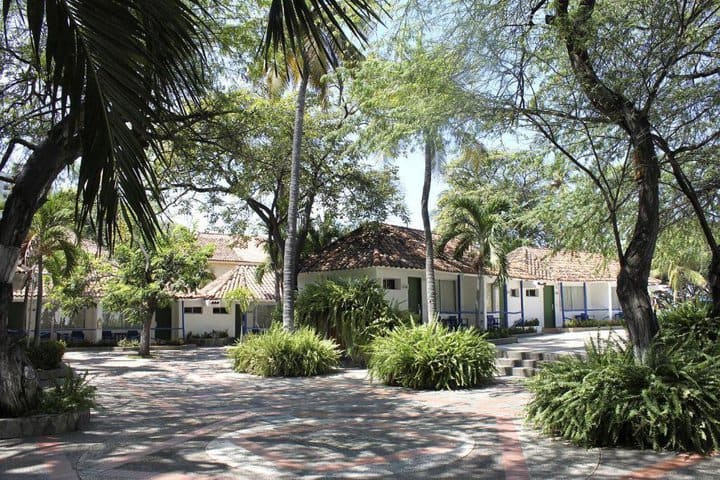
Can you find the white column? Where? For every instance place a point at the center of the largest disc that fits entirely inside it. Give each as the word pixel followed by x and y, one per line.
pixel 610 305
pixel 98 322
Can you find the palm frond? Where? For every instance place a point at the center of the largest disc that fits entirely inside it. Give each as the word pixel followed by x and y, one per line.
pixel 113 69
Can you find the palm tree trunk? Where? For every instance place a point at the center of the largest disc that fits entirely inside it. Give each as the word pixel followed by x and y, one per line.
pixel 291 239
pixel 18 392
pixel 38 304
pixel 429 253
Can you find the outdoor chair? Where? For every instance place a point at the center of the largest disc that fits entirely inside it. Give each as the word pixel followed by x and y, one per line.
pixel 107 335
pixel 77 336
pixel 492 323
pixel 582 317
pixel 133 335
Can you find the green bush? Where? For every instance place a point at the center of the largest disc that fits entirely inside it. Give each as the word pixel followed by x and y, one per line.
pixel 671 402
pixel 690 320
pixel 128 343
pixel 47 355
pixel 75 393
pixel 432 357
pixel 277 353
pixel 507 332
pixel 591 322
pixel 352 311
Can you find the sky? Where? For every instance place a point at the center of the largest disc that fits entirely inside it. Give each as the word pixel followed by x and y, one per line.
pixel 411 170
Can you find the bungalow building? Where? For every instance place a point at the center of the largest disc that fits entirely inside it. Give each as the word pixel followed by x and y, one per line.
pixel 550 286
pixel 233 264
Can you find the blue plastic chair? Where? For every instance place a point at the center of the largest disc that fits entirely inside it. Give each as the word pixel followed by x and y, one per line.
pixel 133 335
pixel 77 336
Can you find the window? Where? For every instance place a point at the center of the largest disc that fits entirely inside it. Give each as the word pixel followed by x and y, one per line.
pixel 220 310
pixel 531 292
pixel 194 310
pixel 514 292
pixel 573 298
pixel 391 284
pixel 448 296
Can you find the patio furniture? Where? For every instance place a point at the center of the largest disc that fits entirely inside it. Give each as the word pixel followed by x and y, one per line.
pixel 77 336
pixel 133 335
pixel 107 335
pixel 492 323
pixel 582 317
pixel 619 316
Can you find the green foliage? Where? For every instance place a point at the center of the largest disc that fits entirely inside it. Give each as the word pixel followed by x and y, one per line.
pixel 507 332
pixel 241 296
pixel 75 393
pixel 591 322
pixel 353 311
pixel 128 343
pixel 279 353
pixel 147 278
pixel 671 402
pixel 432 357
pixel 47 355
pixel 690 320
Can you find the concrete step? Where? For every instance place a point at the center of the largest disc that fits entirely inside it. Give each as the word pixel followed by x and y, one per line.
pixel 523 372
pixel 507 362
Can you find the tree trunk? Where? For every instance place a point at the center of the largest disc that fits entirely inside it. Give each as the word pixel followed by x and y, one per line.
pixel 18 381
pixel 635 262
pixel 144 349
pixel 32 184
pixel 429 252
pixel 714 282
pixel 291 239
pixel 38 304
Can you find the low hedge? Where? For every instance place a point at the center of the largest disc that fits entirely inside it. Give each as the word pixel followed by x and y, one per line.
pixel 431 357
pixel 48 355
pixel 278 353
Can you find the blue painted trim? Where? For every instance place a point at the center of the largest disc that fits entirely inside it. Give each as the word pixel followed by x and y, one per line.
pixel 522 304
pixel 459 299
pixel 182 317
pixel 562 304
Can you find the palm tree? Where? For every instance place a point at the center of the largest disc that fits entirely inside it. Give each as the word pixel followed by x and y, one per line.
pixel 110 73
pixel 51 236
pixel 477 229
pixel 313 43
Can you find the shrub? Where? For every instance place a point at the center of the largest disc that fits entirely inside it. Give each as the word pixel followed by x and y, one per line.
pixel 608 399
pixel 690 320
pixel 75 393
pixel 47 355
pixel 352 311
pixel 128 343
pixel 278 353
pixel 432 357
pixel 591 322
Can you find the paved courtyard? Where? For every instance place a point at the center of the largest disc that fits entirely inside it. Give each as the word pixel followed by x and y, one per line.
pixel 186 415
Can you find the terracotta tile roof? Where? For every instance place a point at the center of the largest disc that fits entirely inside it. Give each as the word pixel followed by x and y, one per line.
pixel 382 245
pixel 240 276
pixel 236 249
pixel 545 264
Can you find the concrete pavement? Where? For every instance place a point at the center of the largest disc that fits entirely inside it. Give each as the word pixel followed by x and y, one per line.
pixel 186 415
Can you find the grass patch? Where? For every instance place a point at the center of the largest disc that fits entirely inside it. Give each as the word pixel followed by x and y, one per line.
pixel 431 357
pixel 277 353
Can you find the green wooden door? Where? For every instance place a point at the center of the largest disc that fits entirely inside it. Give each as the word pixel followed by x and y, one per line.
pixel 163 323
pixel 549 303
pixel 415 295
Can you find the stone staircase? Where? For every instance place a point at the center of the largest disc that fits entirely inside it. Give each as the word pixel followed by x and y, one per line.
pixel 514 363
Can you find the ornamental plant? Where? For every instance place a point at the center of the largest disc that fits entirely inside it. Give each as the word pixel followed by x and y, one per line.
pixel 431 357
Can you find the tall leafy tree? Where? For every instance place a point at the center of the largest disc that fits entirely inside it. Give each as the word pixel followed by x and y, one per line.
pixel 148 277
pixel 603 83
pixel 91 80
pixel 412 102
